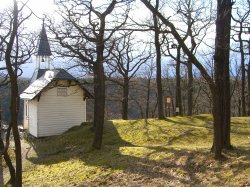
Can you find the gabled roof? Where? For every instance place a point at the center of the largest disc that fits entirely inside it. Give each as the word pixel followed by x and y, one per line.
pixel 37 74
pixel 44 80
pixel 43 46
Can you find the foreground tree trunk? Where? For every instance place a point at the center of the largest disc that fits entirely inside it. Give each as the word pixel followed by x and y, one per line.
pixel 14 96
pixel 125 98
pixel 221 94
pixel 99 105
pixel 248 80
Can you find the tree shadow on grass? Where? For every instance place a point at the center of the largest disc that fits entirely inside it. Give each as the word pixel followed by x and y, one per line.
pixel 192 122
pixel 135 164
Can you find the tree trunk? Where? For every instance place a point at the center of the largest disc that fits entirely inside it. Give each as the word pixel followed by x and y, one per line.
pixel 1 148
pixel 9 165
pixel 1 170
pixel 14 113
pixel 243 76
pixel 217 117
pixel 239 107
pixel 99 104
pixel 190 89
pixel 14 97
pixel 125 99
pixel 148 95
pixel 178 98
pixel 158 65
pixel 99 88
pixel 7 160
pixel 221 93
pixel 248 80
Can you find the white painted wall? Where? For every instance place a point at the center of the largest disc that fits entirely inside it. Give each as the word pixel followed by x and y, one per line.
pixel 33 104
pixel 56 114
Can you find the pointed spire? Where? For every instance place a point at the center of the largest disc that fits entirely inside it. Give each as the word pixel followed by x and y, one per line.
pixel 43 47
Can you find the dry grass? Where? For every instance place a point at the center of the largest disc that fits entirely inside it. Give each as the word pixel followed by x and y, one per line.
pixel 150 152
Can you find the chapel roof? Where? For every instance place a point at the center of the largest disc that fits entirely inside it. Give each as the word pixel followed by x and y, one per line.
pixel 43 78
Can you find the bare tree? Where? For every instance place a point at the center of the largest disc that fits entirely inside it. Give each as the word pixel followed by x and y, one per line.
pixel 84 33
pixel 15 52
pixel 221 101
pixel 126 61
pixel 241 18
pixel 149 71
pixel 198 17
pixel 158 62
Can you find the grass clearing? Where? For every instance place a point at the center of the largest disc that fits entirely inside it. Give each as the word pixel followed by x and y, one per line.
pixel 171 152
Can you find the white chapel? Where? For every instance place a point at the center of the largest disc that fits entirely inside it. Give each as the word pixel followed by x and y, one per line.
pixel 55 100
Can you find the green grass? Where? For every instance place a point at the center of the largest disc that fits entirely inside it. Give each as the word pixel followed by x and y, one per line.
pixel 172 152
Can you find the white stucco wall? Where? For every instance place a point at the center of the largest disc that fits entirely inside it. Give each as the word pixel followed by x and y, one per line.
pixel 56 114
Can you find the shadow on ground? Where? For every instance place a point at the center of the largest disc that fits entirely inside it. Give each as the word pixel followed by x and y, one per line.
pixel 137 164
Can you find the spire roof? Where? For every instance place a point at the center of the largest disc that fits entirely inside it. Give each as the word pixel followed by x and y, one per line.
pixel 43 46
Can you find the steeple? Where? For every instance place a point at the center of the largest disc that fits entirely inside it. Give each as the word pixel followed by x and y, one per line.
pixel 43 51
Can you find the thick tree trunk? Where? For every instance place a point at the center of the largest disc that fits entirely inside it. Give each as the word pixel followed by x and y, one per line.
pixel 99 104
pixel 1 148
pixel 217 117
pixel 14 113
pixel 125 99
pixel 248 80
pixel 99 88
pixel 14 97
pixel 190 89
pixel 221 94
pixel 158 65
pixel 178 98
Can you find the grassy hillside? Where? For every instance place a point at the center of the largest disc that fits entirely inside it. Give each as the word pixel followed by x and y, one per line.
pixel 150 152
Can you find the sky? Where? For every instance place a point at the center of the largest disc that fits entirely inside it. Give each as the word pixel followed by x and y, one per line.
pixel 39 7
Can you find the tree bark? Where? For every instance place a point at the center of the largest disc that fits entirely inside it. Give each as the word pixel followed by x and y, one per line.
pixel 217 125
pixel 99 88
pixel 190 89
pixel 125 98
pixel 243 75
pixel 158 65
pixel 9 164
pixel 99 104
pixel 221 93
pixel 178 98
pixel 148 96
pixel 248 79
pixel 7 160
pixel 14 97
